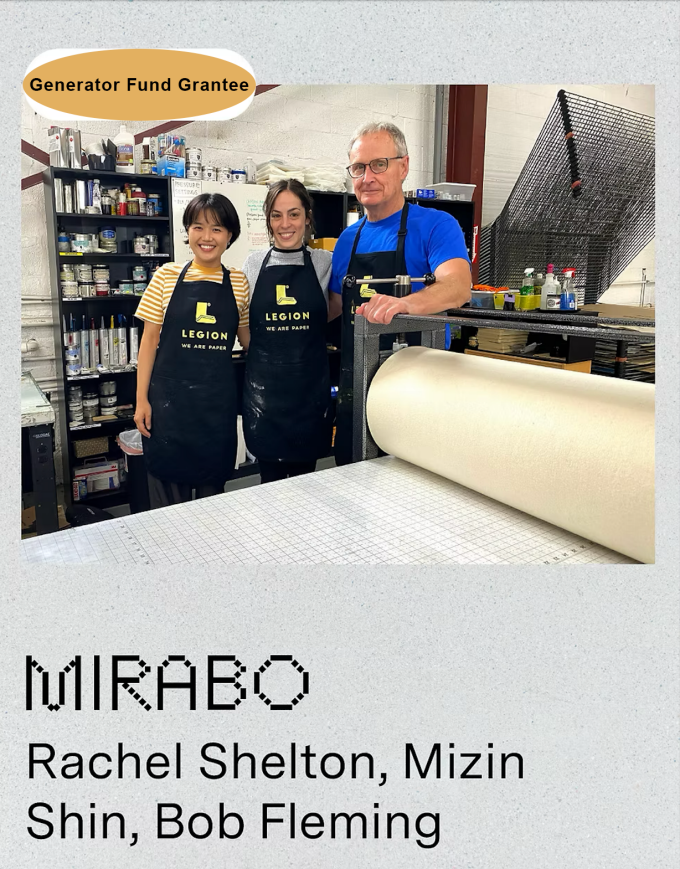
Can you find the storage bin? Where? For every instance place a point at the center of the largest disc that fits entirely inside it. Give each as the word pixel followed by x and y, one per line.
pixel 90 447
pixel 481 299
pixel 449 190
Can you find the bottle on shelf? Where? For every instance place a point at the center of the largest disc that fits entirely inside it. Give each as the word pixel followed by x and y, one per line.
pixel 550 288
pixel 568 295
pixel 538 286
pixel 125 151
pixel 526 294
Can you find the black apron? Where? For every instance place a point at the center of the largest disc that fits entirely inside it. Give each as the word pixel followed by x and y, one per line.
pixel 287 391
pixel 193 388
pixel 377 264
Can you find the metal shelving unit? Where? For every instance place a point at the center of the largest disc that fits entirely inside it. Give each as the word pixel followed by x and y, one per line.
pixel 120 265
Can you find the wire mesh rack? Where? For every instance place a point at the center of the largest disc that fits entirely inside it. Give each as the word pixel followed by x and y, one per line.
pixel 584 199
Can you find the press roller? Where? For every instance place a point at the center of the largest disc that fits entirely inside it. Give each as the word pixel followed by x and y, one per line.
pixel 572 449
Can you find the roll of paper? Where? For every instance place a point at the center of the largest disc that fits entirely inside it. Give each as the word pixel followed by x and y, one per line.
pixel 573 449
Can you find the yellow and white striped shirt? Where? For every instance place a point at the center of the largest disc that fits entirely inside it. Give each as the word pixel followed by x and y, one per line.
pixel 157 295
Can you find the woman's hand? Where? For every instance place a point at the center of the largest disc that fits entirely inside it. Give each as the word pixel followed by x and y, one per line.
pixel 143 418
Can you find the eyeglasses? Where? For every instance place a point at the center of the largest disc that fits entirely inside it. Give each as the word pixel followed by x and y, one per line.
pixel 378 166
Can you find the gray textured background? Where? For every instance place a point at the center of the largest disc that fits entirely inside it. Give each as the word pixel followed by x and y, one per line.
pixel 575 667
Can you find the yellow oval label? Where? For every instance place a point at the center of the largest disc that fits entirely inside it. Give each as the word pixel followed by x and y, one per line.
pixel 142 84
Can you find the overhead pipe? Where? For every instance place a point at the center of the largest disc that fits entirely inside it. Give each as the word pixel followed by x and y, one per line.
pixel 438 156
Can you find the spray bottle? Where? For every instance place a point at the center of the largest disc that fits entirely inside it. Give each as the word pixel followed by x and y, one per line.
pixel 549 288
pixel 568 296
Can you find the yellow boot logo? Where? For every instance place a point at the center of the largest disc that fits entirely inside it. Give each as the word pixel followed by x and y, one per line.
pixel 365 290
pixel 282 298
pixel 202 315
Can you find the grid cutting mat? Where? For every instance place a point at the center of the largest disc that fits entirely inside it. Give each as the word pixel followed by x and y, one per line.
pixel 384 511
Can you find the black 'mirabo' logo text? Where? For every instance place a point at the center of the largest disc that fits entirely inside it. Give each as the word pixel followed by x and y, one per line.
pixel 280 683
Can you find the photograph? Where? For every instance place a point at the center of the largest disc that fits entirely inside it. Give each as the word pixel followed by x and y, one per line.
pixel 358 324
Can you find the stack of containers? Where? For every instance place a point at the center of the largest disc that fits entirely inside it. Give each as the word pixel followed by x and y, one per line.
pixel 139 280
pixel 108 398
pixel 100 275
pixel 194 163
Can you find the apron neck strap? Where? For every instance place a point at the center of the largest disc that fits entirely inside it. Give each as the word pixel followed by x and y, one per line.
pixel 401 239
pixel 182 274
pixel 304 250
pixel 401 235
pixel 356 237
pixel 186 268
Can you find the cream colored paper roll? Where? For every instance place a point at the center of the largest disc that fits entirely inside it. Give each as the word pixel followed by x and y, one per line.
pixel 574 449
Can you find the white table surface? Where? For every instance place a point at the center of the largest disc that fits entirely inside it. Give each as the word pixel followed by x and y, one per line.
pixel 35 408
pixel 383 511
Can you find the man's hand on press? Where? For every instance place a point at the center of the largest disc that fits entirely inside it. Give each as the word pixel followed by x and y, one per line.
pixel 381 309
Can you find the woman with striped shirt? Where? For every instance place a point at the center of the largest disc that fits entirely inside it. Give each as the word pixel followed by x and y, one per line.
pixel 186 387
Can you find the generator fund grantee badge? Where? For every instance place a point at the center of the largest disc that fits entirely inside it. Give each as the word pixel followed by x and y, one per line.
pixel 141 84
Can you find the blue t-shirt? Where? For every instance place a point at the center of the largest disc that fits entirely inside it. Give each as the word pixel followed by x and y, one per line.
pixel 432 238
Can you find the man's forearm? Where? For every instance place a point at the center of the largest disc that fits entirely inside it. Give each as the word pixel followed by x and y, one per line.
pixel 450 292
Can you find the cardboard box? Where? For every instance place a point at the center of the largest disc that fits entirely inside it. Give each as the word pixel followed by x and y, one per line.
pixel 28 521
pixel 95 477
pixel 323 243
pixel 170 165
pixel 621 311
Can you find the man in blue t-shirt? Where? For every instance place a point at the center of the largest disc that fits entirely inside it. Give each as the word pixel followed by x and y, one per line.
pixel 434 241
pixel 394 238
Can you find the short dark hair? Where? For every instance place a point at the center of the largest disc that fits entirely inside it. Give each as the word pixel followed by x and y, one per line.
pixel 220 207
pixel 299 189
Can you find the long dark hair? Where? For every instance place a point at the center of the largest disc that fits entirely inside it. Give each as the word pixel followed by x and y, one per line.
pixel 302 194
pixel 220 207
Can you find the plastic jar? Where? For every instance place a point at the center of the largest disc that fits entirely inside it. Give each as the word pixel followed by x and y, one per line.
pixel 107 239
pixel 141 244
pixel 86 289
pixel 83 272
pixel 90 406
pixel 107 387
pixel 80 243
pixel 69 288
pixel 100 273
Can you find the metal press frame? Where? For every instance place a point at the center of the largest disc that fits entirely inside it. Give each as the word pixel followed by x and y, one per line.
pixel 368 356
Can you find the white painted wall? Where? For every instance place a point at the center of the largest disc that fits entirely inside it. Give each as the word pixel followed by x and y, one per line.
pixel 515 116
